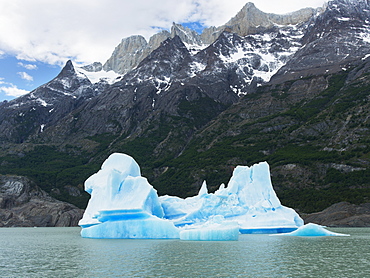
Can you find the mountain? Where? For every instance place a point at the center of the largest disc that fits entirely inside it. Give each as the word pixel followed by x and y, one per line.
pixel 337 38
pixel 289 89
pixel 132 50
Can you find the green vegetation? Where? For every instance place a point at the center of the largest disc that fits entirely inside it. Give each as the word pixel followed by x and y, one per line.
pixel 51 169
pixel 310 200
pixel 176 153
pixel 276 146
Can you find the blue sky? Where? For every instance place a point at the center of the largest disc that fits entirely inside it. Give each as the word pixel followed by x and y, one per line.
pixel 37 37
pixel 20 76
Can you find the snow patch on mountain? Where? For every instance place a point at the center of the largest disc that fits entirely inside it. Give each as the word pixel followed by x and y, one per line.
pixel 260 56
pixel 365 37
pixel 43 102
pixel 161 85
pixel 109 77
pixel 195 48
pixel 196 67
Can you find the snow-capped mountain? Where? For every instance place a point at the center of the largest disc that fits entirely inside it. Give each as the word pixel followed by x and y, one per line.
pixel 46 105
pixel 158 75
pixel 158 98
pixel 337 38
pixel 250 20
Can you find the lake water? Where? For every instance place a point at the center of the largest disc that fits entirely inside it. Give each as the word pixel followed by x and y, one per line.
pixel 61 252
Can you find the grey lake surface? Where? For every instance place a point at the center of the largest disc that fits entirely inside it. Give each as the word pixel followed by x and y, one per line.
pixel 61 252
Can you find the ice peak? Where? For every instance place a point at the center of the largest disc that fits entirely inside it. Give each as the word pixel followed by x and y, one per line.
pixel 203 190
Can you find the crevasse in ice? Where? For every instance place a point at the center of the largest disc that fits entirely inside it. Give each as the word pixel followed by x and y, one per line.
pixel 124 205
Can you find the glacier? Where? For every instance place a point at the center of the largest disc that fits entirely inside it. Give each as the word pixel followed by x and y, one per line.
pixel 124 205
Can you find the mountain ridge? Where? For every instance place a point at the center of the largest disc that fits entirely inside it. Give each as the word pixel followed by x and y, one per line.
pixel 280 94
pixel 132 50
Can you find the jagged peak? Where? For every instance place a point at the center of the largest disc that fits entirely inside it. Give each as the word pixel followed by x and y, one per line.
pixel 67 70
pixel 176 28
pixel 174 43
pixel 249 11
pixel 250 18
pixel 187 35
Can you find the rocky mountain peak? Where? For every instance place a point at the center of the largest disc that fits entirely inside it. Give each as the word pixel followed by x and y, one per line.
pixel 187 35
pixel 127 55
pixel 68 70
pixel 250 19
pixel 94 67
pixel 163 61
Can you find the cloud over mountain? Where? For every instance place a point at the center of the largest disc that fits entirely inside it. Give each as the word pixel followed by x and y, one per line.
pixel 87 31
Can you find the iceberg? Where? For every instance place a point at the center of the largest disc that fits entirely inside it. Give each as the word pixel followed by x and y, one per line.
pixel 249 199
pixel 215 229
pixel 312 229
pixel 124 205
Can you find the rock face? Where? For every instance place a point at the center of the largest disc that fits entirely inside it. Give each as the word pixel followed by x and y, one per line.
pixel 23 204
pixel 127 55
pixel 132 50
pixel 250 20
pixel 342 214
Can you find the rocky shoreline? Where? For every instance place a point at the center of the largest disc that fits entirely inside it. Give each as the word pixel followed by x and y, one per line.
pixel 23 204
pixel 342 214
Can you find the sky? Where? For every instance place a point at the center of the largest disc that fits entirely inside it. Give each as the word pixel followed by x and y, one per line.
pixel 37 37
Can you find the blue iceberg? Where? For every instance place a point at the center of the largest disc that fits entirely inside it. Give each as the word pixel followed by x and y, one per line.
pixel 215 229
pixel 249 199
pixel 124 205
pixel 312 229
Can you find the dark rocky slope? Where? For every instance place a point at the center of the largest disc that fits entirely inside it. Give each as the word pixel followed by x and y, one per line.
pixel 23 204
pixel 341 214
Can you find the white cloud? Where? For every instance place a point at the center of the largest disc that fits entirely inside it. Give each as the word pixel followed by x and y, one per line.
pixel 25 76
pixel 89 30
pixel 27 66
pixel 12 91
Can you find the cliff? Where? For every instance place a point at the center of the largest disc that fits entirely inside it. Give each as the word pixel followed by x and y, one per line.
pixel 23 204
